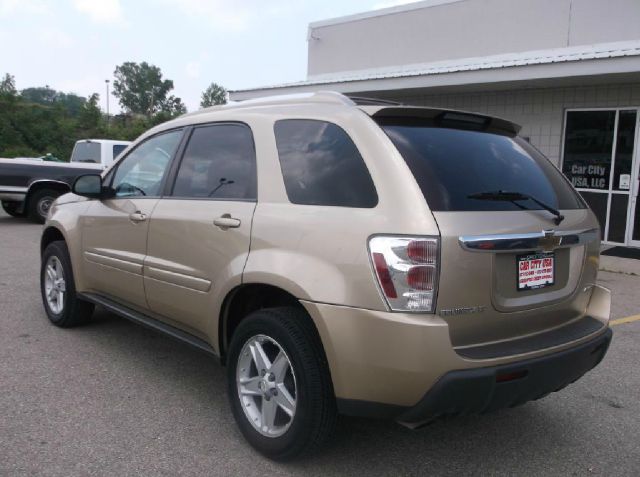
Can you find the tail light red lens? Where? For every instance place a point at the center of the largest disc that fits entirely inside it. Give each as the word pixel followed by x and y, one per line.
pixel 406 269
pixel 383 276
pixel 421 277
pixel 422 251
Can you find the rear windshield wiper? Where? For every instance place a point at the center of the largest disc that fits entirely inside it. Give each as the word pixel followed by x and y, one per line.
pixel 515 197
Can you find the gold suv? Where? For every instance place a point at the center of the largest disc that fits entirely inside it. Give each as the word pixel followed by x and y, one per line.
pixel 340 255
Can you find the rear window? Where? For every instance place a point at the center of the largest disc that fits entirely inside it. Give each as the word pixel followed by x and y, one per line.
pixel 451 164
pixel 86 152
pixel 322 166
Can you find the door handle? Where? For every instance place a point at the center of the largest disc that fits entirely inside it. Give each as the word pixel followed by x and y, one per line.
pixel 137 217
pixel 226 222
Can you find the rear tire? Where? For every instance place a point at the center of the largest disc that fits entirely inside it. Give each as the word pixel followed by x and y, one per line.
pixel 63 307
pixel 12 208
pixel 304 414
pixel 40 203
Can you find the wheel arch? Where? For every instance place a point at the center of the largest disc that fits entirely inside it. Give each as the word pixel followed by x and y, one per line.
pixel 39 184
pixel 42 184
pixel 50 234
pixel 245 299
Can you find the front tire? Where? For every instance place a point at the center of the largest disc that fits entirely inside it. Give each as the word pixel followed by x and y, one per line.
pixel 40 203
pixel 12 208
pixel 279 383
pixel 58 290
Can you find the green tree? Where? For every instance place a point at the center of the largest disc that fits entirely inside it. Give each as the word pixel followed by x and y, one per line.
pixel 90 114
pixel 140 89
pixel 40 95
pixel 41 120
pixel 72 103
pixel 8 86
pixel 213 95
pixel 173 106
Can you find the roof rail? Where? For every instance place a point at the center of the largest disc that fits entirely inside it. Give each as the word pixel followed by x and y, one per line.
pixel 314 97
pixel 363 101
pixel 327 97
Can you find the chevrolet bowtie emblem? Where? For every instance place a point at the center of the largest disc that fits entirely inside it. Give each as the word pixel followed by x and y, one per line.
pixel 550 241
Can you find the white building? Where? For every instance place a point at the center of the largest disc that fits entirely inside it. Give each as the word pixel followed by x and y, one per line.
pixel 568 71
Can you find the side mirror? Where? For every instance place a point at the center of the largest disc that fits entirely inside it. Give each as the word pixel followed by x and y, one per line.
pixel 89 185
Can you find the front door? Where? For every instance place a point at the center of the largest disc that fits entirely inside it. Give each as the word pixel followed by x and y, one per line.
pixel 600 159
pixel 199 234
pixel 115 230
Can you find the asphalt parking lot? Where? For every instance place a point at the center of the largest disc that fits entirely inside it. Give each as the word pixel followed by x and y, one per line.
pixel 112 398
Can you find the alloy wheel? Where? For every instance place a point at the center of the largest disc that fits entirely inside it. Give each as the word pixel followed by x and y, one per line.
pixel 266 385
pixel 54 285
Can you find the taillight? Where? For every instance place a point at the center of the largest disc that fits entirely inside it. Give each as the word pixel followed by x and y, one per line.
pixel 407 271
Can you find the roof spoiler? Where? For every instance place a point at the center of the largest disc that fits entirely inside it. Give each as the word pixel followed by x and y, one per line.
pixel 451 116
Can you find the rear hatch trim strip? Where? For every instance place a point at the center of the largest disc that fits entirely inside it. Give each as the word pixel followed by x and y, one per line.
pixel 545 240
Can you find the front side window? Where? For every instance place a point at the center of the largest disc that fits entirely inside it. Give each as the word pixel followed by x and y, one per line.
pixel 322 166
pixel 219 162
pixel 142 171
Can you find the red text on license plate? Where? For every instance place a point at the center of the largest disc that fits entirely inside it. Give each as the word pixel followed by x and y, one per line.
pixel 535 270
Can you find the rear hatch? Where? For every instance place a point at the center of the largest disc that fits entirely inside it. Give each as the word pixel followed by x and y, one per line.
pixel 519 247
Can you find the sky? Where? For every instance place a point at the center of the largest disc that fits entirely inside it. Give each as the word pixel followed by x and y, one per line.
pixel 75 45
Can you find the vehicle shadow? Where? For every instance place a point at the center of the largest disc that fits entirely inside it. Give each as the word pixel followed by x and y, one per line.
pixel 513 441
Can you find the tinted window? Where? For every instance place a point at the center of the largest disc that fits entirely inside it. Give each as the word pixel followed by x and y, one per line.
pixel 587 148
pixel 322 166
pixel 86 152
pixel 117 149
pixel 451 164
pixel 219 162
pixel 141 172
pixel 624 150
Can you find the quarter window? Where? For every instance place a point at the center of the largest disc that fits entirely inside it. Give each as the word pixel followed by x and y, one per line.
pixel 142 171
pixel 322 166
pixel 219 163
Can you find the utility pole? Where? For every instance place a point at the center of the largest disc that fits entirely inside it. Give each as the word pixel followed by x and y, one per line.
pixel 106 82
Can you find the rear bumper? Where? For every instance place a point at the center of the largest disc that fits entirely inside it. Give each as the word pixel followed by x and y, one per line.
pixel 383 363
pixel 480 390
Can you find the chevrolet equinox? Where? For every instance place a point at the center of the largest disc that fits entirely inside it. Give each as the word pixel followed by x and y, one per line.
pixel 340 255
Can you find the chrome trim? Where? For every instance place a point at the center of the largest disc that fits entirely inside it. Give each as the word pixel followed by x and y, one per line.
pixel 52 181
pixel 12 196
pixel 13 189
pixel 545 240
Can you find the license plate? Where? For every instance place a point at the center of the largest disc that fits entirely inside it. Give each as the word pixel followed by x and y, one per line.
pixel 536 270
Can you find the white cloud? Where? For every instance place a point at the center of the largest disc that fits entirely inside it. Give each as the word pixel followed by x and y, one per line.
pixel 101 11
pixel 221 15
pixel 53 37
pixel 8 7
pixel 231 16
pixel 193 69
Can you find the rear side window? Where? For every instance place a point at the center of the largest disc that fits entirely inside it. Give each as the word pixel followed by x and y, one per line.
pixel 117 149
pixel 219 162
pixel 322 166
pixel 451 165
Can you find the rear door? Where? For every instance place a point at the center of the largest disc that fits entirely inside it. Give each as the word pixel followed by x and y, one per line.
pixel 509 267
pixel 200 231
pixel 115 230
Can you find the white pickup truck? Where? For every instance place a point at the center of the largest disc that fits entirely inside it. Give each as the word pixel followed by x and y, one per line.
pixel 29 187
